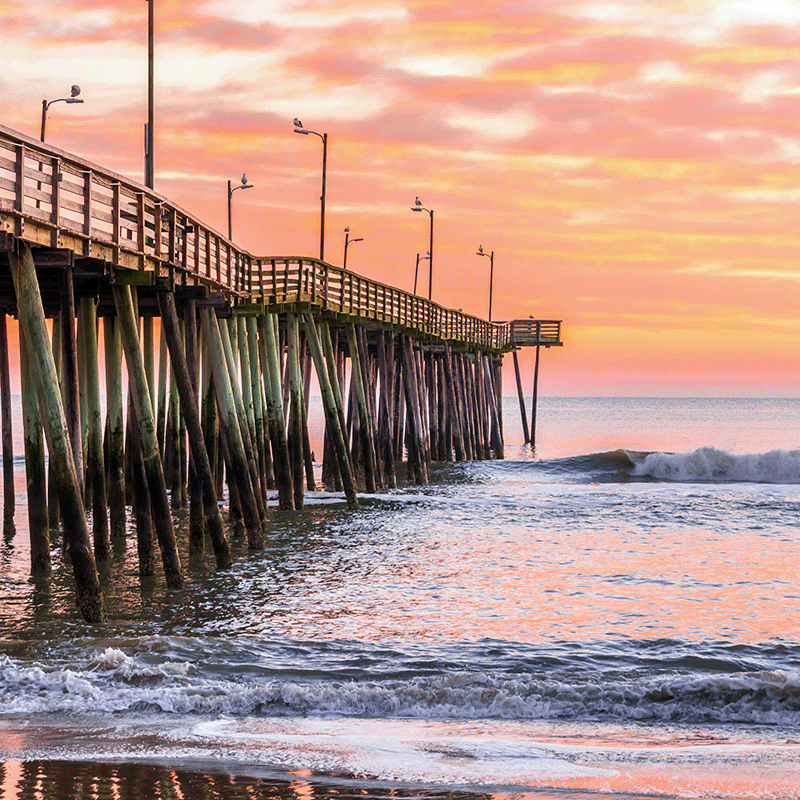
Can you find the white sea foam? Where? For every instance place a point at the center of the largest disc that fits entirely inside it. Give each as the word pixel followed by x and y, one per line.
pixel 125 684
pixel 711 464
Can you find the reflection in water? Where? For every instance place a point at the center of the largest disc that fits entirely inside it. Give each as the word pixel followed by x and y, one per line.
pixel 83 780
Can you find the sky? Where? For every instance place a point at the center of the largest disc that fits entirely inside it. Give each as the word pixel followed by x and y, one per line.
pixel 633 165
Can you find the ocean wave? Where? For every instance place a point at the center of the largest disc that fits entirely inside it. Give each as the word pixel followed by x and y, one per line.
pixel 115 683
pixel 707 464
pixel 719 466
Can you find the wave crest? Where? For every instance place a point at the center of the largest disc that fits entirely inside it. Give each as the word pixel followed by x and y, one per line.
pixel 711 464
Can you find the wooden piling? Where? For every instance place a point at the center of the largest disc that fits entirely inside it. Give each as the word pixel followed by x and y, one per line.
pixel 365 429
pixel 385 405
pixel 95 463
pixel 276 421
pixel 34 466
pixel 115 430
pixel 238 469
pixel 416 458
pixel 241 415
pixel 163 367
pixel 89 595
pixel 535 398
pixel 454 416
pixel 331 402
pixel 197 525
pixel 523 412
pixel 185 386
pixel 69 367
pixel 9 496
pixel 296 409
pixel 495 413
pixel 140 395
pixel 261 441
pixel 53 515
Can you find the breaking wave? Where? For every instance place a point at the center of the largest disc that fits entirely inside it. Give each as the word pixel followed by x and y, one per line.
pixel 114 682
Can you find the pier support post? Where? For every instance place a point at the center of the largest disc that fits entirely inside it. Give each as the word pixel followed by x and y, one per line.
pixel 9 496
pixel 416 458
pixel 197 525
pixel 523 412
pixel 331 401
pixel 140 395
pixel 535 398
pixel 53 515
pixel 296 409
pixel 115 430
pixel 202 466
pixel 34 466
pixel 385 405
pixel 276 421
pixel 69 366
pixel 241 416
pixel 95 466
pixel 364 426
pixel 238 469
pixel 76 532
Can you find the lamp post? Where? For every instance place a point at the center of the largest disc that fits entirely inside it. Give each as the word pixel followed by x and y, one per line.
pixel 298 128
pixel 419 207
pixel 149 168
pixel 244 185
pixel 73 98
pixel 491 274
pixel 348 241
pixel 416 269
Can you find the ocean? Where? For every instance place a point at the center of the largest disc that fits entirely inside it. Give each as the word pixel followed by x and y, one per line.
pixel 613 616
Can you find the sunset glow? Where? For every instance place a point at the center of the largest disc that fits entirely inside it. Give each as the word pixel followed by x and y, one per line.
pixel 634 165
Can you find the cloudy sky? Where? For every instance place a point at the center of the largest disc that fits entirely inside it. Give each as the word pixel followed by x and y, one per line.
pixel 634 165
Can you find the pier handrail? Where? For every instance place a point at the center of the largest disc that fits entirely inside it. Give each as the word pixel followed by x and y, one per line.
pixel 54 199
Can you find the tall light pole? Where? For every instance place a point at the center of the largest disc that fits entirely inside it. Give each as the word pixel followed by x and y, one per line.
pixel 244 185
pixel 73 98
pixel 491 275
pixel 149 169
pixel 298 128
pixel 419 207
pixel 416 269
pixel 348 241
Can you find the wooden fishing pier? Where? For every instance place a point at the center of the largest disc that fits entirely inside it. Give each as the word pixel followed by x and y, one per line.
pixel 401 378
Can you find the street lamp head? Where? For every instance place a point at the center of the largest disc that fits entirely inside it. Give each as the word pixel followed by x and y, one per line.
pixel 74 92
pixel 356 240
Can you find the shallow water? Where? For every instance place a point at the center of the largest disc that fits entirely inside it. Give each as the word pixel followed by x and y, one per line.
pixel 615 617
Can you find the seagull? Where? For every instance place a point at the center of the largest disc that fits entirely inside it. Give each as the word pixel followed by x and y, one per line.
pixel 480 249
pixel 244 179
pixel 347 229
pixel 297 123
pixel 418 202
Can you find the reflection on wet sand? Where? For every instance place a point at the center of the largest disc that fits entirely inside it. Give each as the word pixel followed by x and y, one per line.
pixel 85 780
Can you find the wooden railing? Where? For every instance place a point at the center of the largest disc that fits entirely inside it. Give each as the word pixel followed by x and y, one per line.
pixel 51 198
